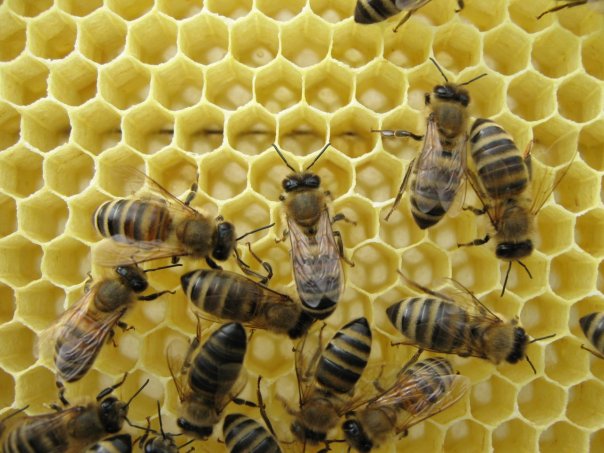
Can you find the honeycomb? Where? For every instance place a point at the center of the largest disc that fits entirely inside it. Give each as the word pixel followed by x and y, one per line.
pixel 176 87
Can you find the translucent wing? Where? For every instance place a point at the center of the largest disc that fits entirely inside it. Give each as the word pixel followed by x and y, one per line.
pixel 307 354
pixel 316 262
pixel 176 360
pixel 115 252
pixel 410 4
pixel 543 190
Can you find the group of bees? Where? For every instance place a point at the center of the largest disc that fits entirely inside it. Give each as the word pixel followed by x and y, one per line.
pixel 154 224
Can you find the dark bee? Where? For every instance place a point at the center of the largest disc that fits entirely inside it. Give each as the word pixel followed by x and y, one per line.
pixel 162 442
pixel 459 325
pixel 593 328
pixel 436 174
pixel 420 391
pixel 597 5
pixel 373 11
pixel 232 297
pixel 316 248
pixel 80 333
pixel 328 381
pixel 70 430
pixel 210 379
pixel 120 443
pixel 245 435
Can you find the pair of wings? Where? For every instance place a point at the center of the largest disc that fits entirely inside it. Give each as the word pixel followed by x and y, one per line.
pixel 439 172
pixel 316 262
pixel 121 250
pixel 96 326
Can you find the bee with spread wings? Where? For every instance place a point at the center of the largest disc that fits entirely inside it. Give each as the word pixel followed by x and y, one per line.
pixel 420 390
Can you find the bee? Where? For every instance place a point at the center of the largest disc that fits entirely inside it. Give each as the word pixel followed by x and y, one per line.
pixel 502 183
pixel 158 225
pixel 437 173
pixel 316 247
pixel 420 391
pixel 81 331
pixel 459 325
pixel 230 296
pixel 157 444
pixel 120 443
pixel 592 326
pixel 373 11
pixel 211 379
pixel 71 429
pixel 596 5
pixel 245 435
pixel 328 381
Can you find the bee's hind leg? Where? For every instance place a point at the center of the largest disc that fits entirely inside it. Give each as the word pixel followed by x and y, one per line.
pixel 338 237
pixel 479 241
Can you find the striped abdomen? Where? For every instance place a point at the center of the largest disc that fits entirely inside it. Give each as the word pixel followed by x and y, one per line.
pixel 244 435
pixel 499 164
pixel 593 328
pixel 430 380
pixel 345 357
pixel 372 11
pixel 121 443
pixel 218 363
pixel 133 220
pixel 432 323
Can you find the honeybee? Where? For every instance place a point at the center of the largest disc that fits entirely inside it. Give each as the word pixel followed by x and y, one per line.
pixel 421 390
pixel 70 430
pixel 597 5
pixel 373 11
pixel 459 325
pixel 157 225
pixel 437 173
pixel 245 435
pixel 230 296
pixel 592 326
pixel 502 182
pixel 328 381
pixel 157 444
pixel 208 381
pixel 316 247
pixel 120 443
pixel 81 331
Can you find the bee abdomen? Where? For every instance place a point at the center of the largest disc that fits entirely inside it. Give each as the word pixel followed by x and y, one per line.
pixel 121 443
pixel 219 361
pixel 70 359
pixel 372 11
pixel 134 220
pixel 26 438
pixel 593 328
pixel 426 219
pixel 244 435
pixel 345 357
pixel 431 323
pixel 432 378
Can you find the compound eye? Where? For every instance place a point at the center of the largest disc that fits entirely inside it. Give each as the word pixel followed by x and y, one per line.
pixel 464 99
pixel 289 184
pixel 312 181
pixel 440 90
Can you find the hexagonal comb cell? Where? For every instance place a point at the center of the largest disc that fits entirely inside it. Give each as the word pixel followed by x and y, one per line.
pixel 302 131
pixel 264 345
pixel 180 9
pixel 305 40
pixel 377 178
pixel 29 9
pixel 8 384
pixel 580 98
pixel 583 404
pixel 544 315
pixel 514 435
pixel 66 272
pixel 586 232
pixel 556 53
pixel 495 392
pixel 400 230
pixel 43 205
pixel 255 41
pixel 23 81
pixel 578 189
pixel 541 401
pixel 456 47
pixel 375 267
pixel 157 344
pixel 223 175
pixel 37 388
pixel 355 46
pixel 251 130
pixel 7 308
pixel 123 356
pixel 96 127
pixel 330 11
pixel 20 171
pixel 152 40
pixel 178 84
pixel 130 9
pixel 247 213
pixel 475 268
pixel 483 15
pixel 278 86
pixel 335 172
pixel 73 160
pixel 554 142
pixel 563 436
pixel 350 132
pixel 229 85
pixel 590 139
pixel 8 213
pixel 381 87
pixel 124 83
pixel 215 44
pixel 73 81
pixel 80 9
pixel 466 436
pixel 531 96
pixel 46 125
pixel 498 45
pixel 200 130
pixel 52 35
pixel 148 128
pixel 425 264
pixel 403 50
pixel 102 36
pixel 12 36
pixel 591 55
pixel 40 304
pixel 361 212
pixel 233 9
pixel 565 362
pixel 10 126
pixel 120 156
pixel 572 274
pixel 16 347
pixel 281 11
pixel 524 14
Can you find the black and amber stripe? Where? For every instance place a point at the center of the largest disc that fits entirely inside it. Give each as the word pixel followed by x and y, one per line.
pixel 432 323
pixel 593 328
pixel 245 435
pixel 430 379
pixel 121 443
pixel 217 365
pixel 42 433
pixel 372 11
pixel 133 220
pixel 345 357
pixel 500 165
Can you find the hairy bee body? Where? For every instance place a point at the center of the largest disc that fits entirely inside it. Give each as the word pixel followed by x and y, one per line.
pixel 338 369
pixel 593 328
pixel 245 435
pixel 373 11
pixel 230 296
pixel 121 443
pixel 210 380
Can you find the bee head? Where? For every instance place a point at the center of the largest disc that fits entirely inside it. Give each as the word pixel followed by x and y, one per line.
pixel 355 436
pixel 514 250
pixel 112 413
pixel 224 241
pixel 521 340
pixel 200 432
pixel 306 180
pixel 452 93
pixel 133 277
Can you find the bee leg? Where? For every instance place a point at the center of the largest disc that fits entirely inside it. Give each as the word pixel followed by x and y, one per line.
pixel 55 407
pixel 246 268
pixel 402 343
pixel 402 433
pixel 411 361
pixel 103 393
pixel 401 190
pixel 175 259
pixel 558 8
pixel 283 237
pixel 125 327
pixel 338 237
pixel 398 133
pixel 478 241
pixel 61 388
pixel 340 216
pixel 597 354
pixel 262 408
pixel 242 402
pixel 192 191
pixel 403 20
pixel 476 211
pixel 88 283
pixel 154 296
pixel 212 264
pixel 460 6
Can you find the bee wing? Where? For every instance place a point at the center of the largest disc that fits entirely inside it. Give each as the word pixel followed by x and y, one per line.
pixel 542 192
pixel 316 262
pixel 307 354
pixel 228 391
pixel 410 4
pixel 120 251
pixel 175 359
pixel 493 210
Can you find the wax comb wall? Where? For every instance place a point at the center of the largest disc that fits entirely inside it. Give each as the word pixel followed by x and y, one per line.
pixel 175 87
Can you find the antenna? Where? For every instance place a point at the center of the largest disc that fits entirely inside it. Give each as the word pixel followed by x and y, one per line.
pixel 474 79
pixel 319 155
pixel 284 159
pixel 137 392
pixel 439 69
